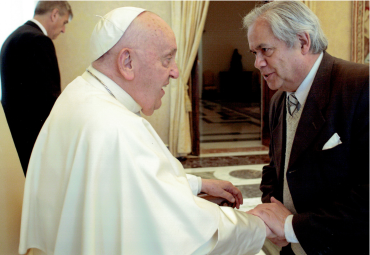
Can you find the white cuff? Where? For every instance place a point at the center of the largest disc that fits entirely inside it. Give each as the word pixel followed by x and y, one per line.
pixel 289 231
pixel 195 183
pixel 199 185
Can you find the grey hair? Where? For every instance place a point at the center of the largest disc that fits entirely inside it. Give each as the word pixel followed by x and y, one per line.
pixel 289 19
pixel 43 7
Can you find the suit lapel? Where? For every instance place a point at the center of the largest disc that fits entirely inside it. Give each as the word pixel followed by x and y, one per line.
pixel 279 135
pixel 312 118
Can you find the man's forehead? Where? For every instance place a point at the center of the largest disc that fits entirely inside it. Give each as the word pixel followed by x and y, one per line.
pixel 165 39
pixel 260 35
pixel 65 17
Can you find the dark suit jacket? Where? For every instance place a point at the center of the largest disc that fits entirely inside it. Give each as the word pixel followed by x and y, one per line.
pixel 30 84
pixel 329 188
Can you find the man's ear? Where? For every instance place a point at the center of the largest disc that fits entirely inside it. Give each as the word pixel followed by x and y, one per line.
pixel 53 14
pixel 304 42
pixel 125 65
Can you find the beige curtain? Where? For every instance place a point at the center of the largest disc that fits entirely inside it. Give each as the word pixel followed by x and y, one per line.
pixel 188 18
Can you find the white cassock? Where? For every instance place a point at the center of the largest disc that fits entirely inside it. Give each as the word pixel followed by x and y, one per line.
pixel 101 181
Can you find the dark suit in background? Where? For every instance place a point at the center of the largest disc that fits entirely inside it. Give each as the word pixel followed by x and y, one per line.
pixel 30 83
pixel 329 188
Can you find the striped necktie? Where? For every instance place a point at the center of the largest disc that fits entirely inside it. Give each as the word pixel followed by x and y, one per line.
pixel 293 104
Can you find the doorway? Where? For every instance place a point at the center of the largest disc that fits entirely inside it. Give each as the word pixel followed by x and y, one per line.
pixel 230 86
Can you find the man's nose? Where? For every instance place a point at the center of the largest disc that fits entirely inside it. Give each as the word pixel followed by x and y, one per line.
pixel 174 72
pixel 63 29
pixel 259 61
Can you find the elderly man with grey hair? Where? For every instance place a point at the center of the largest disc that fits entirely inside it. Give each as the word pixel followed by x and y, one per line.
pixel 318 177
pixel 100 179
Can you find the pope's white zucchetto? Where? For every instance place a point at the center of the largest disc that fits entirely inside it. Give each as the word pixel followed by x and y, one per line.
pixel 110 29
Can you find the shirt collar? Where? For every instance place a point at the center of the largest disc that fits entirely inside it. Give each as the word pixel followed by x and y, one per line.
pixel 122 96
pixel 40 26
pixel 303 89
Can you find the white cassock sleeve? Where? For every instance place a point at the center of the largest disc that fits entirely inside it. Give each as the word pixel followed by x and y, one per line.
pixel 239 233
pixel 195 183
pixel 232 224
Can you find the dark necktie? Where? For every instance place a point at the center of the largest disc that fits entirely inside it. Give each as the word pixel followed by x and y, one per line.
pixel 293 104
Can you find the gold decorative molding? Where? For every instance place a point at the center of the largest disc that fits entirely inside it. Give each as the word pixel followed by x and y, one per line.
pixel 360 32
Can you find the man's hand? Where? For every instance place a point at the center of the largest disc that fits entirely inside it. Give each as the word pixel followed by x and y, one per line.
pixel 274 215
pixel 269 233
pixel 224 189
pixel 281 242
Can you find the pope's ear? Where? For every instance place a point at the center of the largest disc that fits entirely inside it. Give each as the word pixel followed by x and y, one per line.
pixel 125 64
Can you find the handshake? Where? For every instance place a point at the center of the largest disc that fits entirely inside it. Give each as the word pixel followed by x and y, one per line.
pixel 274 215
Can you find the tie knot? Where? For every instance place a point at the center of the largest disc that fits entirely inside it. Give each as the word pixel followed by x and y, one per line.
pixel 293 104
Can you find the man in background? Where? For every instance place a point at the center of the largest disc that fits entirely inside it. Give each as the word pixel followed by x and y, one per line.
pixel 30 79
pixel 100 179
pixel 318 177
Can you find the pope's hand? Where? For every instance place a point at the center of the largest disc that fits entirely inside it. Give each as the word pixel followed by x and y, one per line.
pixel 224 189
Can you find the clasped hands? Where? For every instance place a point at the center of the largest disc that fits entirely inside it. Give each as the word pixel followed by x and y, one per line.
pixel 274 215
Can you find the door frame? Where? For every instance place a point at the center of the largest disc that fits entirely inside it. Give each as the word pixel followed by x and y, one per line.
pixel 194 116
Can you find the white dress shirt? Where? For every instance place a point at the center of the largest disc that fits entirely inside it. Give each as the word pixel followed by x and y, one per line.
pixel 301 95
pixel 40 26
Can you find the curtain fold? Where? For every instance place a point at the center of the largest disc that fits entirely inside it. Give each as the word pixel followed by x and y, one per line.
pixel 188 19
